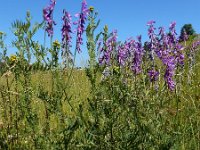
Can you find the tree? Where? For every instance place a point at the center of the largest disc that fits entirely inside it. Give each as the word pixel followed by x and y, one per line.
pixel 188 30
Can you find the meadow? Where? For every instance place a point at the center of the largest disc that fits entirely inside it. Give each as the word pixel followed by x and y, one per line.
pixel 132 95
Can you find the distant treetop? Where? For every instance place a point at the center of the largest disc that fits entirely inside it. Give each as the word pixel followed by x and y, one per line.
pixel 186 29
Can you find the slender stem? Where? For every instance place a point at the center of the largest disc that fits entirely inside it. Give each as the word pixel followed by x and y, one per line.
pixel 9 100
pixel 16 101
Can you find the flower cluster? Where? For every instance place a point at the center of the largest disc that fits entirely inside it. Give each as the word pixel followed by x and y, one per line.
pixel 81 22
pixel 13 58
pixel 48 17
pixel 164 45
pixel 56 44
pixel 128 53
pixel 153 75
pixel 66 29
pixel 108 49
pixel 137 56
pixel 122 54
pixel 172 33
pixel 152 37
pixel 66 36
pixel 169 51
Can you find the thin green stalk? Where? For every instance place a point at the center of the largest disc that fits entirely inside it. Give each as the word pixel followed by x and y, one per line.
pixel 10 104
pixel 16 102
pixel 193 134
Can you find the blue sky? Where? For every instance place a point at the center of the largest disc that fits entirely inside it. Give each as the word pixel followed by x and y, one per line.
pixel 129 17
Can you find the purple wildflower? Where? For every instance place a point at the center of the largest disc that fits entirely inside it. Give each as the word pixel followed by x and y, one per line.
pixel 164 39
pixel 179 54
pixel 48 17
pixel 195 44
pixel 122 55
pixel 66 28
pixel 108 49
pixel 174 45
pixel 66 36
pixel 152 37
pixel 169 73
pixel 153 75
pixel 168 49
pixel 171 84
pixel 172 33
pixel 137 56
pixel 162 32
pixel 129 47
pixel 81 22
pixel 105 59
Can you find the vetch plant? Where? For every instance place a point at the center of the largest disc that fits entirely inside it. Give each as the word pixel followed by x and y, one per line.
pixel 66 39
pixel 82 17
pixel 48 17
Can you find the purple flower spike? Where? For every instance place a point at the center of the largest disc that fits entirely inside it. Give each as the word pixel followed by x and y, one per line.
pixel 170 70
pixel 137 56
pixel 152 37
pixel 153 75
pixel 122 55
pixel 179 54
pixel 81 22
pixel 66 36
pixel 172 25
pixel 66 29
pixel 173 33
pixel 171 84
pixel 48 17
pixel 110 46
pixel 195 44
